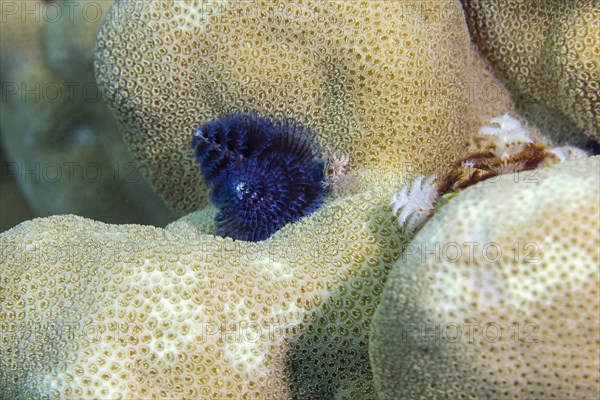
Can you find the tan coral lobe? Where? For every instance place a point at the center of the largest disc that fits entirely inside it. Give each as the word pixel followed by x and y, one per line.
pixel 380 81
pixel 91 310
pixel 547 52
pixel 497 297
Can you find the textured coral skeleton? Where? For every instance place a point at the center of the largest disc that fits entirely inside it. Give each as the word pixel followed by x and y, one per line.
pixel 291 317
pixel 510 255
pixel 312 62
pixel 551 63
pixel 326 65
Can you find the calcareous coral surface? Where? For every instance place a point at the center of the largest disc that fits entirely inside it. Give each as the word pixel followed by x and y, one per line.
pixel 497 297
pixel 91 310
pixel 380 81
pixel 390 91
pixel 548 53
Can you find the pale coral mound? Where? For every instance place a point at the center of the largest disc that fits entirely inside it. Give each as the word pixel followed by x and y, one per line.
pixel 384 82
pixel 498 296
pixel 548 53
pixel 91 310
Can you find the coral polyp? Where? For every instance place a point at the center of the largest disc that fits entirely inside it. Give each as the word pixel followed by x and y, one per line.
pixel 262 173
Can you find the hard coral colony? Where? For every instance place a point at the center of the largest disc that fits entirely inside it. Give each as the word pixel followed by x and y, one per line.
pixel 339 303
pixel 262 173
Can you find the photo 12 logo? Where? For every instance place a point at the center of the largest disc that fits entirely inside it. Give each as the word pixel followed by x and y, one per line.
pixel 51 12
pixel 470 332
pixel 50 92
pixel 245 331
pixel 469 252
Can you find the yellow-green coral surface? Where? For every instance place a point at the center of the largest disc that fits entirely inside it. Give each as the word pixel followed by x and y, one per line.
pixel 90 310
pixel 548 52
pixel 382 81
pixel 95 310
pixel 498 296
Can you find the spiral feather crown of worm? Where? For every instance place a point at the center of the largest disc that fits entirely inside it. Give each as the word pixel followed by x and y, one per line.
pixel 262 173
